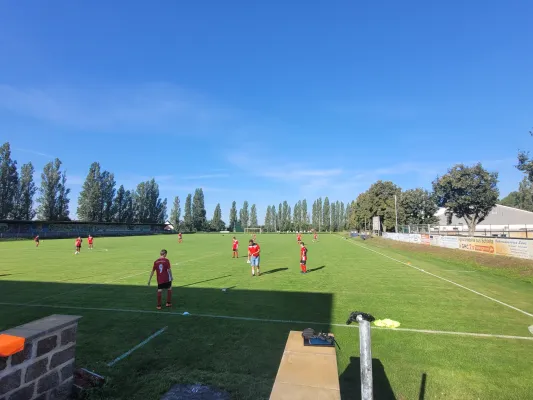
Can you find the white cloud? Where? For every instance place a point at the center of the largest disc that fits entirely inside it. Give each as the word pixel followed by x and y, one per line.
pixel 155 107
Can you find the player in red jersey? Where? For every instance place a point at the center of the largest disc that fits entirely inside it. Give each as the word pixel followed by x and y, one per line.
pixel 299 237
pixel 90 241
pixel 37 240
pixel 235 247
pixel 164 278
pixel 303 258
pixel 180 238
pixel 315 237
pixel 254 250
pixel 78 245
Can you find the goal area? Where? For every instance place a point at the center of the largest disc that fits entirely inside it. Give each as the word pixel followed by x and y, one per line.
pixel 253 230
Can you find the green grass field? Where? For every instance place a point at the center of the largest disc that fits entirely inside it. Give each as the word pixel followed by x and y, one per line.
pixel 234 339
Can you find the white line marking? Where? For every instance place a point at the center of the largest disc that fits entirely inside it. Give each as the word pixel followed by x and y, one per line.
pixel 444 279
pixel 284 321
pixel 116 360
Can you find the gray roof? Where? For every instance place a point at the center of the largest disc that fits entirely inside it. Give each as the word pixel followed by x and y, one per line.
pixel 500 215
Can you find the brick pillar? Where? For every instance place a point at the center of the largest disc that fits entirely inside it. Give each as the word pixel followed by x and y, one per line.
pixel 44 369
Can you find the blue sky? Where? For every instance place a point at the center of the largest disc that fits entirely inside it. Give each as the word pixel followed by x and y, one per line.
pixel 267 101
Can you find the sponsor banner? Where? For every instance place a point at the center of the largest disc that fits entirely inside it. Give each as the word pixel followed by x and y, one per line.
pixel 480 245
pixel 394 236
pixel 404 237
pixel 450 242
pixel 415 238
pixel 434 240
pixel 425 239
pixel 513 248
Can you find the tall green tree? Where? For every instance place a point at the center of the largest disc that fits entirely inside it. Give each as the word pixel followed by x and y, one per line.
pixel 285 217
pixel 175 213
pixel 217 224
pixel 525 163
pixel 347 214
pixel 149 208
pixel 297 216
pixel 119 205
pixel 199 213
pixel 511 200
pixel 107 185
pixel 326 215
pixel 320 213
pixel 90 197
pixel 63 199
pixel 244 215
pixel 525 195
pixel 418 206
pixel 53 199
pixel 467 192
pixel 342 220
pixel 378 200
pixel 253 217
pixel 268 220
pixel 305 215
pixel 233 216
pixel 8 181
pixel 128 215
pixel 24 195
pixel 187 213
pixel 333 213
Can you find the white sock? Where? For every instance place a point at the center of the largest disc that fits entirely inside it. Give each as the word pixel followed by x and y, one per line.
pixel 253 271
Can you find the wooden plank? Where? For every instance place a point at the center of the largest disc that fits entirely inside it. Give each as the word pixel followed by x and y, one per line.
pixel 306 372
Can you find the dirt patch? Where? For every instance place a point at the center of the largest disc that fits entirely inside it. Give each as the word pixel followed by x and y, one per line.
pixel 515 266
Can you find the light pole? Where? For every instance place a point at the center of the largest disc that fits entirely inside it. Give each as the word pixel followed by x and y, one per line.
pixel 396 211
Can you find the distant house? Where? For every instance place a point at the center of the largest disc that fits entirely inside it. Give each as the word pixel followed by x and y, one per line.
pixel 500 219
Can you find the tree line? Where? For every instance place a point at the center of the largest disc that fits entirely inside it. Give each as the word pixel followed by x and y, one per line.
pixel 18 189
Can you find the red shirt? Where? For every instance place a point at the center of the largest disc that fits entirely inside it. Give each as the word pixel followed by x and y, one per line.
pixel 90 240
pixel 303 253
pixel 254 250
pixel 316 235
pixel 162 268
pixel 78 243
pixel 36 238
pixel 179 236
pixel 299 237
pixel 235 244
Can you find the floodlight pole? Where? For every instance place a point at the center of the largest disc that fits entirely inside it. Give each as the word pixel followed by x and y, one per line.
pixel 396 211
pixel 365 350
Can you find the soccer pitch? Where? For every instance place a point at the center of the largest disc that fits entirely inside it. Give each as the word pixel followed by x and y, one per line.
pixel 463 335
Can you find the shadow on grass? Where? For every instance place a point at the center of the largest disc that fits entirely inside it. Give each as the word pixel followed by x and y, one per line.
pixel 316 269
pixel 273 271
pixel 350 381
pixel 207 280
pixel 422 394
pixel 221 323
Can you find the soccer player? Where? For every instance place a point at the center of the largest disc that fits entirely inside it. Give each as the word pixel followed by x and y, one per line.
pixel 254 251
pixel 180 238
pixel 36 241
pixel 90 240
pixel 299 237
pixel 78 245
pixel 315 237
pixel 303 258
pixel 164 278
pixel 249 250
pixel 235 247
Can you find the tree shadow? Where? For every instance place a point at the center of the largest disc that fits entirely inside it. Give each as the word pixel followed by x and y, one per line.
pixel 316 269
pixel 273 271
pixel 350 381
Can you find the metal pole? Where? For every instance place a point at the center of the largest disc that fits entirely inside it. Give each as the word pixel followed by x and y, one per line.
pixel 396 211
pixel 365 349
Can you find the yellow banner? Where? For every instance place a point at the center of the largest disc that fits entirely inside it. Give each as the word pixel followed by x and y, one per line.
pixel 513 248
pixel 480 245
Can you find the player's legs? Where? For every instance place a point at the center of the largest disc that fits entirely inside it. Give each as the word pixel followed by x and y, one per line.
pixel 169 297
pixel 257 266
pixel 159 298
pixel 303 266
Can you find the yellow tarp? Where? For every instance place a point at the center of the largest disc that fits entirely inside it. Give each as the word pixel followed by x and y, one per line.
pixel 386 323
